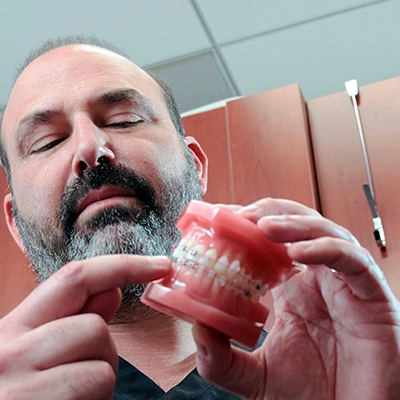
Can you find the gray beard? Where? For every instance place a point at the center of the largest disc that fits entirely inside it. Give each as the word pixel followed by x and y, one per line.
pixel 48 250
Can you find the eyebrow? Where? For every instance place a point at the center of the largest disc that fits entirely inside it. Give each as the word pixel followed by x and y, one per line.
pixel 37 118
pixel 133 98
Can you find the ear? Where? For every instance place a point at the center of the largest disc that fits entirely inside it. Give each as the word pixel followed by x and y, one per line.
pixel 200 160
pixel 11 221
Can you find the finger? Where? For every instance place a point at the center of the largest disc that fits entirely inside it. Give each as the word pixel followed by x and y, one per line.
pixel 293 228
pixel 105 303
pixel 94 380
pixel 68 290
pixel 230 207
pixel 71 339
pixel 230 368
pixel 270 206
pixel 355 265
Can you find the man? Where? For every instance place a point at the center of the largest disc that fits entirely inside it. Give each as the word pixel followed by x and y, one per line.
pixel 99 170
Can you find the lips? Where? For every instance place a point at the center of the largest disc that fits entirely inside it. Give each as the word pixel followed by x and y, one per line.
pixel 100 196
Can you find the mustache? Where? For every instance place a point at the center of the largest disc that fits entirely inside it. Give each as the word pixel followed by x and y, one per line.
pixel 97 178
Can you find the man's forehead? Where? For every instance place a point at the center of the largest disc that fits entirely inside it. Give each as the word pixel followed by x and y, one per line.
pixel 61 63
pixel 73 56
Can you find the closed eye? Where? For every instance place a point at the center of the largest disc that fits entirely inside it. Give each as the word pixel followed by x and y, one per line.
pixel 125 124
pixel 124 120
pixel 47 146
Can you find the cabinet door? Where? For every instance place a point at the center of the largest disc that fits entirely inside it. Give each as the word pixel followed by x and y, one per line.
pixel 341 170
pixel 270 147
pixel 258 146
pixel 210 130
pixel 16 278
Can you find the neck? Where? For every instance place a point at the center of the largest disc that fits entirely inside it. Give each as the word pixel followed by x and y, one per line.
pixel 160 346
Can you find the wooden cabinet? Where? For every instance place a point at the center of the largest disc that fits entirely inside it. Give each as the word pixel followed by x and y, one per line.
pixel 210 130
pixel 258 146
pixel 341 170
pixel 16 278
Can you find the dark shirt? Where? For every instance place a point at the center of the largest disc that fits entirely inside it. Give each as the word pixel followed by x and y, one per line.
pixel 134 385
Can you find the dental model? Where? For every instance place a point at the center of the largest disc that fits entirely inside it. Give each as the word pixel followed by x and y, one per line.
pixel 221 267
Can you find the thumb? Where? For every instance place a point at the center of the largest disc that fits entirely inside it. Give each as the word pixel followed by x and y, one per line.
pixel 230 368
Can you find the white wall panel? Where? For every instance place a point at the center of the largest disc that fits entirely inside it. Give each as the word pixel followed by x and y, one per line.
pixel 151 31
pixel 321 55
pixel 195 81
pixel 231 20
pixel 316 43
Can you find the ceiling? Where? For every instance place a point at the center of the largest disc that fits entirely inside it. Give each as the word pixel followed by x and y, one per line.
pixel 211 50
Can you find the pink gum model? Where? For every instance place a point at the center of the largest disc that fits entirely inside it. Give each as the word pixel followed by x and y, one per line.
pixel 222 266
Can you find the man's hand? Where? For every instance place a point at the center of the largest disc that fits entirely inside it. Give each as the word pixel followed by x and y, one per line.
pixel 56 344
pixel 336 334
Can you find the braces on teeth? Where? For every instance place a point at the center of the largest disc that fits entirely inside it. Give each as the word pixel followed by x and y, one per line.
pixel 198 260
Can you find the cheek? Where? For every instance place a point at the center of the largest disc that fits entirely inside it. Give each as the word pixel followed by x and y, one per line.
pixel 166 164
pixel 172 158
pixel 38 193
pixel 155 162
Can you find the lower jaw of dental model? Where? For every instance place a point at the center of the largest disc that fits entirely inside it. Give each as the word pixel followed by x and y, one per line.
pixel 222 266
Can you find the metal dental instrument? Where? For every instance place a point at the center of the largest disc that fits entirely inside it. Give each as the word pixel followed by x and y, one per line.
pixel 379 233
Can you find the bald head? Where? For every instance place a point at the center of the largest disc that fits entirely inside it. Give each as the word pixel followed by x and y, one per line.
pixel 94 45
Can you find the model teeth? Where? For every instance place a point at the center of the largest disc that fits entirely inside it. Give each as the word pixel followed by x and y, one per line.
pixel 182 248
pixel 255 297
pixel 222 280
pixel 205 263
pixel 246 280
pixel 234 269
pixel 260 288
pixel 200 270
pixel 221 265
pixel 195 253
pixel 209 258
pixel 217 283
pixel 211 273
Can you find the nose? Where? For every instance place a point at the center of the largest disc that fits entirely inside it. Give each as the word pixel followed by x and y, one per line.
pixel 93 146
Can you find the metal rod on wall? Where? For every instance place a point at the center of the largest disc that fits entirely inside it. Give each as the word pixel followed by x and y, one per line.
pixel 379 233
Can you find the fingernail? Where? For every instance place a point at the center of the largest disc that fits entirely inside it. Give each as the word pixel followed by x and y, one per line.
pixel 304 245
pixel 251 208
pixel 161 261
pixel 275 218
pixel 230 207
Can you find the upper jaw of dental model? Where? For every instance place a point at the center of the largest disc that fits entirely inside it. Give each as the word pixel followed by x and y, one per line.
pixel 228 273
pixel 222 265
